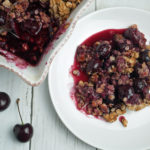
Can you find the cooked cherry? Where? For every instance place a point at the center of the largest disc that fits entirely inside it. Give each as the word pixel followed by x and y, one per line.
pixel 15 27
pixel 31 26
pixel 12 1
pixel 135 36
pixel 122 43
pixel 35 5
pixel 136 69
pixel 44 4
pixel 135 99
pixel 145 56
pixel 2 43
pixel 93 66
pixel 2 17
pixel 139 85
pixel 4 101
pixel 146 93
pixel 125 91
pixel 23 132
pixel 103 49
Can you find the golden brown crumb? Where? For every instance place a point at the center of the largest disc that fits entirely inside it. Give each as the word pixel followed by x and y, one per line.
pixel 110 117
pixel 137 107
pixel 81 83
pixel 148 47
pixel 7 4
pixel 62 9
pixel 76 72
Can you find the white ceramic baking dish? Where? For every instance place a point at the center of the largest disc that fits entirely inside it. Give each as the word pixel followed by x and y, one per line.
pixel 34 75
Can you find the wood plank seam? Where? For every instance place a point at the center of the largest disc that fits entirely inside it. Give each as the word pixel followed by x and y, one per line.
pixel 31 115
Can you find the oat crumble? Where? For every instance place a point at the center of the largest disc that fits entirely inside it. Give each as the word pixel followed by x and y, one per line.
pixel 117 75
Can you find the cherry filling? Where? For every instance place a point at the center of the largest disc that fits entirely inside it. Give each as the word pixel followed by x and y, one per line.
pixel 111 73
pixel 30 27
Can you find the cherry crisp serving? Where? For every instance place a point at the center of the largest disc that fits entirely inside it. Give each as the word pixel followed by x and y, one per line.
pixel 27 26
pixel 111 73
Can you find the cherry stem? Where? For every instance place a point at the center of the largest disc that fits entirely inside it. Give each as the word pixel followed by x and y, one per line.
pixel 17 101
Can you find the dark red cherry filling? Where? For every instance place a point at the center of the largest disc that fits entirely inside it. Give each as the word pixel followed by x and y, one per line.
pixel 3 16
pixel 30 28
pixel 135 36
pixel 125 91
pixel 145 57
pixel 111 73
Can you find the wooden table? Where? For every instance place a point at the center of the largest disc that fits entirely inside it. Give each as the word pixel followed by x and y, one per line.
pixel 36 106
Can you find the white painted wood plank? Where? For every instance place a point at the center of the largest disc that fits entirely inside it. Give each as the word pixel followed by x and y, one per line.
pixel 50 133
pixel 16 88
pixel 90 9
pixel 142 4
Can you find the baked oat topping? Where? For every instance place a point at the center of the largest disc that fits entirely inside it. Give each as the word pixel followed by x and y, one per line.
pixel 61 9
pixel 117 72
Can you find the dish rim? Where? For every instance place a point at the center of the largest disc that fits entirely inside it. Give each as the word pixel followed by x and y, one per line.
pixel 50 87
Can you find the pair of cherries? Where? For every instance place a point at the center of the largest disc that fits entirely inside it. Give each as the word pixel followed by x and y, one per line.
pixel 23 132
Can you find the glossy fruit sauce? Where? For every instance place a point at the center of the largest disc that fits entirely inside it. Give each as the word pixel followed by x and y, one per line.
pixel 103 35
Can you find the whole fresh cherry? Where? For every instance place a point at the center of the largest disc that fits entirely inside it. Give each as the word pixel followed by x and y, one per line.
pixel 4 101
pixel 23 132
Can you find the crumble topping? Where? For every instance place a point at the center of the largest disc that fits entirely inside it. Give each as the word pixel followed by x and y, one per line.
pixel 117 75
pixel 61 9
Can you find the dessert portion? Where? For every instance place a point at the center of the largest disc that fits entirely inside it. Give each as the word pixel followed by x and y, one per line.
pixel 111 73
pixel 61 9
pixel 27 26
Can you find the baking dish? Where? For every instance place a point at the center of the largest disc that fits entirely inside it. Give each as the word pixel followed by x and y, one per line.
pixel 35 75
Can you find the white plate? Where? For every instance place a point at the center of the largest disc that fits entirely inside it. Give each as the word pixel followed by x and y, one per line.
pixel 109 136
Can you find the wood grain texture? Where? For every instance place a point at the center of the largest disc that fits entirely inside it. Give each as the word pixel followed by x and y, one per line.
pixel 16 88
pixel 142 4
pixel 50 133
pixel 90 9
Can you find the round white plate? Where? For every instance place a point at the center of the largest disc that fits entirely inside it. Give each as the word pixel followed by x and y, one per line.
pixel 98 133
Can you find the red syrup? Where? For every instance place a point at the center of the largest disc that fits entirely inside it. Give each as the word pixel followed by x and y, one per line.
pixel 102 35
